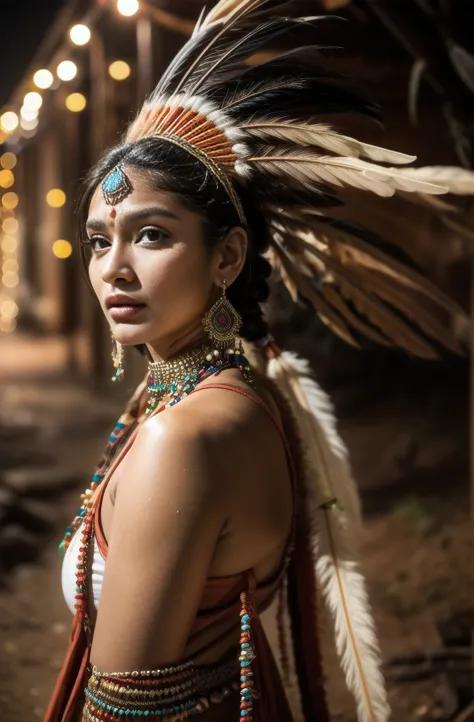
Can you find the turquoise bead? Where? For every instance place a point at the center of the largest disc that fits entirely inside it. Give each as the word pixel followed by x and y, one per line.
pixel 245 663
pixel 245 627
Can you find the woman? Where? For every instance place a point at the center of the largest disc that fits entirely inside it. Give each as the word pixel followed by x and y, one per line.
pixel 208 507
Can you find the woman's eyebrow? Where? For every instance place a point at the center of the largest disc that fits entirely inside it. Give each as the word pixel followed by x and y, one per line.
pixel 94 224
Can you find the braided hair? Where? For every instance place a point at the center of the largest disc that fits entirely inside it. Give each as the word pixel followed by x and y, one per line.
pixel 172 169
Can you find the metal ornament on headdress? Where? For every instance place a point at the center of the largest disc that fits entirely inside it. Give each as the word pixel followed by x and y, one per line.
pixel 116 186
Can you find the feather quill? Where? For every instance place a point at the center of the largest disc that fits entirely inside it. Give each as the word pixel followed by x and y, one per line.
pixel 336 566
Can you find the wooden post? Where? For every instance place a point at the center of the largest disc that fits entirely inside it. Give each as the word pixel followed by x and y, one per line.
pixel 99 119
pixel 145 81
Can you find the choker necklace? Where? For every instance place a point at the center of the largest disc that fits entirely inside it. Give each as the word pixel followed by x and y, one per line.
pixel 180 376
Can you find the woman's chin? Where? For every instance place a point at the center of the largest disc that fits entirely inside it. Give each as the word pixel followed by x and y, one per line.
pixel 129 335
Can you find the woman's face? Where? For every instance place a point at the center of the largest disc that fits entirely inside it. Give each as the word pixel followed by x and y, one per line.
pixel 150 268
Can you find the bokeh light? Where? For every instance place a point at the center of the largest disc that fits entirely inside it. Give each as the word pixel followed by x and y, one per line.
pixel 127 7
pixel 43 79
pixel 9 309
pixel 33 100
pixel 9 244
pixel 7 324
pixel 8 160
pixel 67 70
pixel 10 279
pixel 55 198
pixel 62 249
pixel 10 200
pixel 11 264
pixel 28 113
pixel 10 225
pixel 119 70
pixel 7 179
pixel 29 124
pixel 9 121
pixel 76 102
pixel 80 34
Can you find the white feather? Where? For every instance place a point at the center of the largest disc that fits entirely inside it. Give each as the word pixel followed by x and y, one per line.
pixel 339 579
pixel 330 452
pixel 324 136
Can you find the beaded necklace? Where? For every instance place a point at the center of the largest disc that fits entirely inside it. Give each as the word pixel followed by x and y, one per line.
pixel 179 377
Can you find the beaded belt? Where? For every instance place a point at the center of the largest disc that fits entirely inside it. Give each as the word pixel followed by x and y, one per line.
pixel 174 692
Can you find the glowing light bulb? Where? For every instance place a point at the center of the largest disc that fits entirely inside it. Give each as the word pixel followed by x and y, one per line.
pixel 9 121
pixel 43 79
pixel 76 102
pixel 7 179
pixel 67 70
pixel 127 7
pixel 55 198
pixel 80 34
pixel 33 100
pixel 8 160
pixel 62 249
pixel 10 201
pixel 119 70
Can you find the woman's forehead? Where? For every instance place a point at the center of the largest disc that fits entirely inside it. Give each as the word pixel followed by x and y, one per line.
pixel 142 193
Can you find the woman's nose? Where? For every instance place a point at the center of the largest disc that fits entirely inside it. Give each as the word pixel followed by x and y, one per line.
pixel 117 266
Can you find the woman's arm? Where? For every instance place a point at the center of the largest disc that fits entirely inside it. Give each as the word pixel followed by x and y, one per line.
pixel 168 513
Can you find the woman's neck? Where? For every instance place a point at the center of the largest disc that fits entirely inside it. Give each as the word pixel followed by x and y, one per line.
pixel 167 350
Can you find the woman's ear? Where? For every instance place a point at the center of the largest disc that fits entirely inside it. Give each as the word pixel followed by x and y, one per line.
pixel 230 256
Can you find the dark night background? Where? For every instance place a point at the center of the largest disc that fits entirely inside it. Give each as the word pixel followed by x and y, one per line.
pixel 23 24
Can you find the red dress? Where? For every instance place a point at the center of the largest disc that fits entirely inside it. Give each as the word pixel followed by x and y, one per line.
pixel 220 602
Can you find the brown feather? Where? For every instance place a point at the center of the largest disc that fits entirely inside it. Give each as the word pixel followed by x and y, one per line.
pixel 412 307
pixel 370 306
pixel 334 298
pixel 405 275
pixel 322 308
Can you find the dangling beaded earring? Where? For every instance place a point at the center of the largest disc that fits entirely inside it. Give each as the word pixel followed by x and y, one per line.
pixel 222 322
pixel 117 360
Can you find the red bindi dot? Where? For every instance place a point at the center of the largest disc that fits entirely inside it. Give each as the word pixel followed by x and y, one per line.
pixel 113 212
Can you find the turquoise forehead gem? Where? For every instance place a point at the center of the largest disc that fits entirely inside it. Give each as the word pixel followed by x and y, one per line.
pixel 114 180
pixel 116 186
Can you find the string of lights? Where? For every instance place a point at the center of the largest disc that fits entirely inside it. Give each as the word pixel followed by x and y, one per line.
pixel 20 123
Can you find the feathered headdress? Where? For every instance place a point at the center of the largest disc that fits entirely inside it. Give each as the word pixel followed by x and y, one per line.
pixel 266 126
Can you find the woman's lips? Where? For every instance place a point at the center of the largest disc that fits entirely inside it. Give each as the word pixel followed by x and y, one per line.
pixel 124 313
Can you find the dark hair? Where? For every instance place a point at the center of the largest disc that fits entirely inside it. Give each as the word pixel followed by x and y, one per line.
pixel 172 169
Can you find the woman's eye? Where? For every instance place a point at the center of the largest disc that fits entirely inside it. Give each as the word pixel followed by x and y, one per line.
pixel 152 234
pixel 98 243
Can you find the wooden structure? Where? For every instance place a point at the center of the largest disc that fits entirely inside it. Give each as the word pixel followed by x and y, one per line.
pixel 413 56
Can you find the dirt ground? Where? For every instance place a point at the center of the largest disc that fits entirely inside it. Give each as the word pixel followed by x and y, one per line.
pixel 411 463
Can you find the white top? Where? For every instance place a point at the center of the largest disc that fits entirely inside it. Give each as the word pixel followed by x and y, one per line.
pixel 68 574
